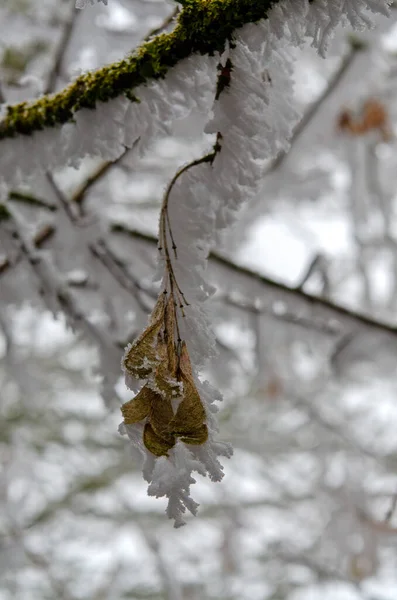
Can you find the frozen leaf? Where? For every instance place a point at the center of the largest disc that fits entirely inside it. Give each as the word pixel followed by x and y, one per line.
pixel 164 377
pixel 190 414
pixel 141 357
pixel 161 414
pixel 156 444
pixel 198 436
pixel 139 407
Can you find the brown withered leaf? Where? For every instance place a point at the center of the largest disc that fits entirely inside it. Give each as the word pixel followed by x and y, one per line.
pixel 190 414
pixel 142 355
pixel 161 414
pixel 156 444
pixel 164 378
pixel 139 407
pixel 198 436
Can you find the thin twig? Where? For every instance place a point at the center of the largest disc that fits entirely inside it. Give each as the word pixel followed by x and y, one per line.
pixel 165 226
pixel 60 53
pixel 167 21
pixel 392 509
pixel 30 200
pixel 66 205
pixel 110 262
pixel 101 171
pixel 285 316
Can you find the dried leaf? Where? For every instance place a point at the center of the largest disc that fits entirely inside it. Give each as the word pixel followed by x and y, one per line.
pixel 141 358
pixel 190 415
pixel 164 377
pixel 139 407
pixel 154 443
pixel 161 414
pixel 199 436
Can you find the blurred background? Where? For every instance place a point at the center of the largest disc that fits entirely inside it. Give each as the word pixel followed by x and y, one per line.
pixel 305 316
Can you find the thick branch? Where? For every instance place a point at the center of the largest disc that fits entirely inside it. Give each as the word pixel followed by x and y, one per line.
pixel 202 27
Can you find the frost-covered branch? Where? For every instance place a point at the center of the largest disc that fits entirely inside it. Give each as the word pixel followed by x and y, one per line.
pixel 201 28
pixel 139 97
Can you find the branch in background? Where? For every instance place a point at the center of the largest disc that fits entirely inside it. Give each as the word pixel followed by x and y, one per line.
pixel 164 25
pixel 392 509
pixel 285 316
pixel 297 298
pixel 194 33
pixel 312 111
pixel 317 264
pixel 30 200
pixel 68 207
pixel 97 176
pixel 118 272
pixel 40 237
pixel 55 290
pixel 60 53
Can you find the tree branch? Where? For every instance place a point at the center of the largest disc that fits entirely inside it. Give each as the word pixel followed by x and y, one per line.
pixel 300 300
pixel 201 28
pixel 60 53
pixel 313 109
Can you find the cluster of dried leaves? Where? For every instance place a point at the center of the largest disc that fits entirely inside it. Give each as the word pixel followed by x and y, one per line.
pixel 169 401
pixel 373 116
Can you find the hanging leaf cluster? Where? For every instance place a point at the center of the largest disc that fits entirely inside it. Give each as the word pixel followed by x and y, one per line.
pixel 158 356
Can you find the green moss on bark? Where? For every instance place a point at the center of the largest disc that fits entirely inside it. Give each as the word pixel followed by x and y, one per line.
pixel 203 27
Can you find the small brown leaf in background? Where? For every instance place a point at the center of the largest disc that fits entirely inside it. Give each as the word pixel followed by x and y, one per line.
pixel 373 116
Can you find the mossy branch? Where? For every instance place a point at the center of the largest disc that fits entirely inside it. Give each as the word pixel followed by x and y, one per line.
pixel 202 27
